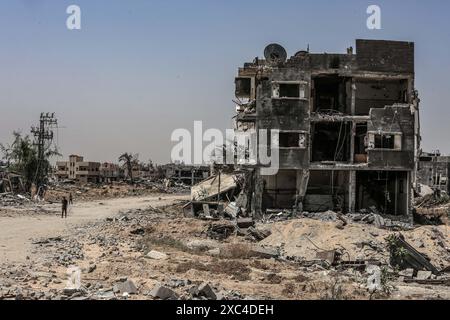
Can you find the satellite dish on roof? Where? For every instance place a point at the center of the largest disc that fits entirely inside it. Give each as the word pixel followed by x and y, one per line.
pixel 274 53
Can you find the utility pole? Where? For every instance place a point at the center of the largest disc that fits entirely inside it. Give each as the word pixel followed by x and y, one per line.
pixel 43 138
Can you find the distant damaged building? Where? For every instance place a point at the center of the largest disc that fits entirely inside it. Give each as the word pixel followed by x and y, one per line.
pixel 348 126
pixel 434 170
pixel 76 169
pixel 185 174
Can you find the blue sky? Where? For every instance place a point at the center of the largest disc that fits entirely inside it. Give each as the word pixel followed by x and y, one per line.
pixel 140 69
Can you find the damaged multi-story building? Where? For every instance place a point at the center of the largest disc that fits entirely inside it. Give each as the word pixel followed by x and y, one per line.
pixel 186 174
pixel 78 170
pixel 348 126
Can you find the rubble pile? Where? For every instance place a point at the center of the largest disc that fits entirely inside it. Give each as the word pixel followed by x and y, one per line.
pixel 9 199
pixel 432 209
pixel 157 253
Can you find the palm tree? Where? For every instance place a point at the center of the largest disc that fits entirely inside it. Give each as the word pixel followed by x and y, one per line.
pixel 128 161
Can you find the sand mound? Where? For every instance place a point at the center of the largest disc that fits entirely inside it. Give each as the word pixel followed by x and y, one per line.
pixel 303 238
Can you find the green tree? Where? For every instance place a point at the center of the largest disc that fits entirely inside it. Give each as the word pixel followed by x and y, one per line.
pixel 21 157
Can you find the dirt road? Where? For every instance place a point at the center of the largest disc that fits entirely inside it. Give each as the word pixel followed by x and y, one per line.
pixel 16 233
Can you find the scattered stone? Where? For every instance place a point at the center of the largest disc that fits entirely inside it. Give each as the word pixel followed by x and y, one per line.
pixel 107 295
pixel 70 291
pixel 374 279
pixel 423 275
pixel 127 286
pixel 163 293
pixel 175 283
pixel 206 291
pixel 245 223
pixel 193 291
pixel 156 255
pixel 407 273
pixel 378 221
pixel 257 234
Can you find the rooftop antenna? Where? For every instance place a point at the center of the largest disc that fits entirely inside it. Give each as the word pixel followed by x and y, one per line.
pixel 307 48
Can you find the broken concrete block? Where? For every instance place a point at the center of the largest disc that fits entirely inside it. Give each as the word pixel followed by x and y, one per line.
pixel 211 187
pixel 260 252
pixel 70 291
pixel 206 209
pixel 407 273
pixel 374 279
pixel 220 231
pixel 245 223
pixel 156 255
pixel 423 275
pixel 193 291
pixel 257 234
pixel 232 210
pixel 205 290
pixel 378 221
pixel 163 293
pixel 127 286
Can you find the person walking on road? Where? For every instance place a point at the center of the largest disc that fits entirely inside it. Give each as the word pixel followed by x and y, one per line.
pixel 64 203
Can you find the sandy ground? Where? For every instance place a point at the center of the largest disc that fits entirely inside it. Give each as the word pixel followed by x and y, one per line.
pixel 109 251
pixel 16 233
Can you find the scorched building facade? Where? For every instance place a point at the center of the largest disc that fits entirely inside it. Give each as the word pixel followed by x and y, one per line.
pixel 348 126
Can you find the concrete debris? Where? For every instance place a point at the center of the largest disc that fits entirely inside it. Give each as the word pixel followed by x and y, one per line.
pixel 163 293
pixel 10 199
pixel 374 280
pixel 213 187
pixel 176 283
pixel 156 255
pixel 404 256
pixel 331 256
pixel 271 217
pixel 127 286
pixel 245 223
pixel 220 231
pixel 257 234
pixel 206 291
pixel 264 253
pixel 423 275
pixel 425 190
pixel 284 255
pixel 232 210
pixel 407 273
pixel 433 282
pixel 193 291
pixel 323 216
